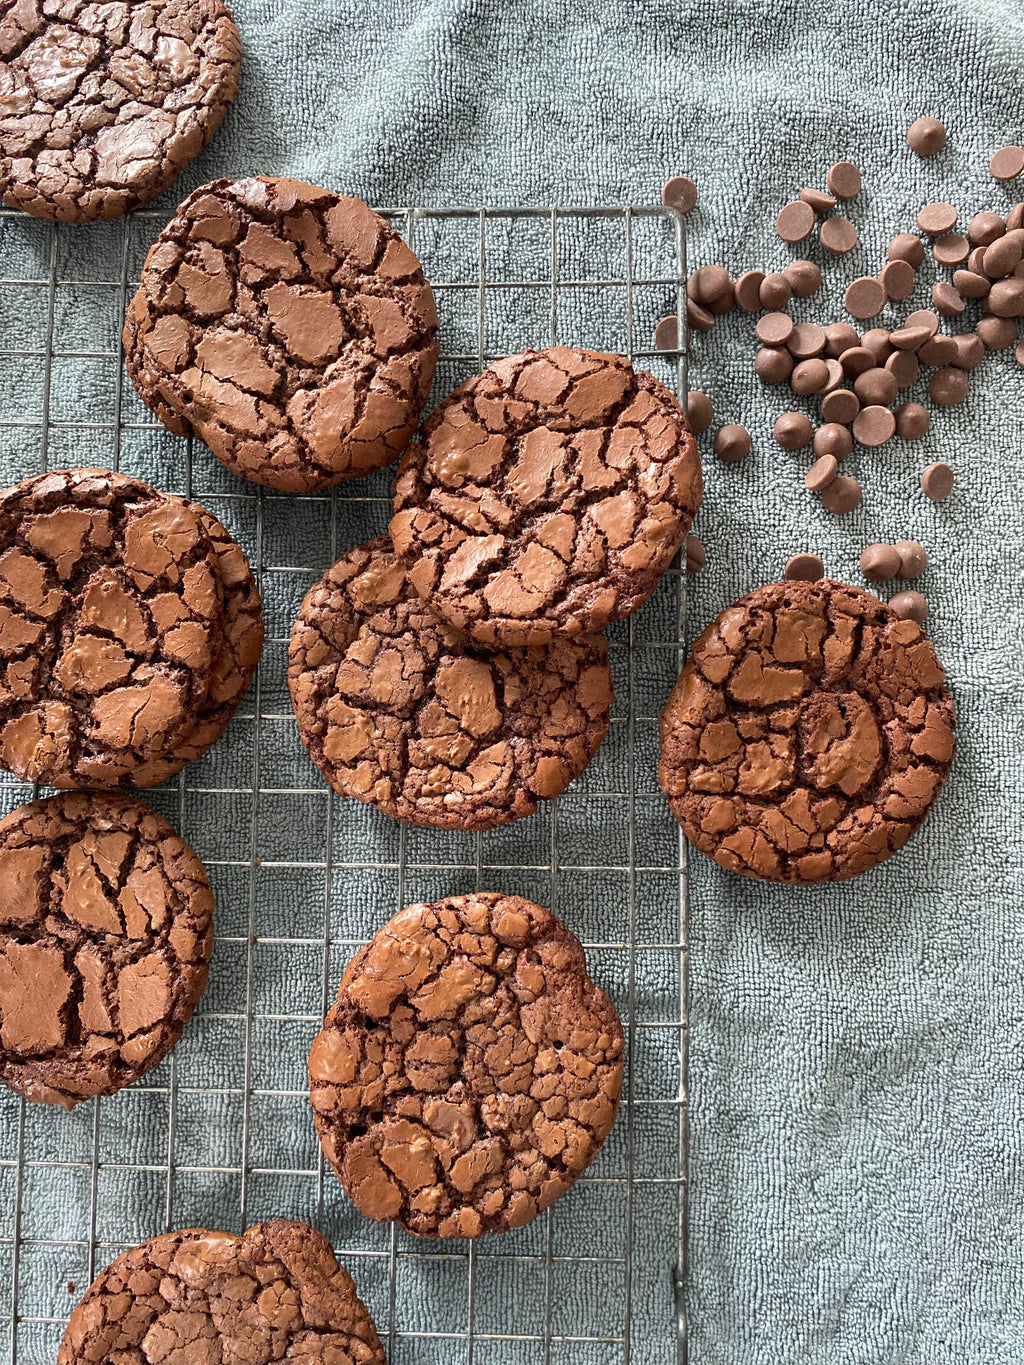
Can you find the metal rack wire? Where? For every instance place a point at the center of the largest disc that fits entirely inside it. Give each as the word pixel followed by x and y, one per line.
pixel 220 1134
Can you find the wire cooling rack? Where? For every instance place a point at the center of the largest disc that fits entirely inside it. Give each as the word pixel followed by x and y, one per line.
pixel 221 1134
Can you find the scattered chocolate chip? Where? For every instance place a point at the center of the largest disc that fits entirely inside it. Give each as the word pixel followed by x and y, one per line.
pixel 876 341
pixel 699 411
pixel 748 291
pixel 804 568
pixel 856 360
pixel 795 221
pixel 976 261
pixel 835 379
pixel 904 368
pixel 807 339
pixel 998 334
pixel 984 228
pixel 876 387
pixel 936 219
pixel 844 180
pixel 910 606
pixel 666 334
pixel 951 249
pixel 1001 258
pixel 804 278
pixel 913 558
pixel 1006 298
pixel 776 291
pixel 912 421
pixel 970 351
pixel 926 136
pixel 969 285
pixel 774 329
pixel 732 443
pixel 773 364
pixel 792 431
pixel 1007 163
pixel 709 284
pixel 938 350
pixel 698 317
pixel 874 426
pixel 909 338
pixel 842 495
pixel 833 439
pixel 898 278
pixel 819 201
pixel 948 386
pixel 842 405
pixel 838 236
pixel 840 337
pixel 923 317
pixel 880 562
pixel 809 376
pixel 864 298
pixel 1015 218
pixel 947 300
pixel 906 247
pixel 679 193
pixel 937 481
pixel 696 555
pixel 821 473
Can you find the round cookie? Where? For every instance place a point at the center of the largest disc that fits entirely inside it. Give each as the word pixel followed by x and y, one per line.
pixel 103 105
pixel 469 1070
pixel 105 938
pixel 275 1293
pixel 547 496
pixel 399 710
pixel 111 625
pixel 808 736
pixel 289 328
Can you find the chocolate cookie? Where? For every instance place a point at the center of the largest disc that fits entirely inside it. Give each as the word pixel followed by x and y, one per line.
pixel 105 936
pixel 111 627
pixel 198 1297
pixel 808 736
pixel 289 328
pixel 103 105
pixel 547 496
pixel 398 709
pixel 469 1069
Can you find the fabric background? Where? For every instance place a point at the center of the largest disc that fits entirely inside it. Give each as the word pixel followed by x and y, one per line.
pixel 856 1050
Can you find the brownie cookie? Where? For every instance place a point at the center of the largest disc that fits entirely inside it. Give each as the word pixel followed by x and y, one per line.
pixel 105 936
pixel 198 1297
pixel 469 1069
pixel 399 710
pixel 111 626
pixel 547 496
pixel 103 105
pixel 289 328
pixel 808 736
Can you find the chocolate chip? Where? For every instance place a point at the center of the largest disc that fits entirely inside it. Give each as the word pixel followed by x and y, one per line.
pixel 912 421
pixel 951 249
pixel 1007 163
pixel 1006 298
pixel 819 201
pixel 776 291
pixel 698 317
pixel 809 376
pixel 838 236
pixel 880 562
pixel 795 221
pixel 840 337
pixel 976 261
pixel 898 278
pixel 936 219
pixel 923 317
pixel 874 426
pixel 842 405
pixel 856 360
pixel 985 228
pixel 773 364
pixel 937 481
pixel 1001 258
pixel 679 193
pixel 913 558
pixel 998 334
pixel 748 290
pixel 807 339
pixel 970 351
pixel 864 298
pixel 906 247
pixel 708 284
pixel 696 555
pixel 666 334
pixel 948 386
pixel 699 411
pixel 876 387
pixel 910 606
pixel 969 285
pixel 877 342
pixel 774 329
pixel 844 180
pixel 947 300
pixel 821 473
pixel 792 431
pixel 804 568
pixel 842 495
pixel 909 338
pixel 904 368
pixel 926 136
pixel 833 439
pixel 1015 218
pixel 804 278
pixel 732 443
pixel 835 377
pixel 938 350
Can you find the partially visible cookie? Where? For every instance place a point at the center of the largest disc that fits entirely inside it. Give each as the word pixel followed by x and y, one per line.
pixel 547 496
pixel 198 1297
pixel 111 626
pixel 469 1070
pixel 288 327
pixel 103 105
pixel 399 710
pixel 105 938
pixel 808 736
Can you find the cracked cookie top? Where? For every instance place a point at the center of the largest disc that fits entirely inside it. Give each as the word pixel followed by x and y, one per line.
pixel 469 1069
pixel 275 1293
pixel 102 105
pixel 289 328
pixel 547 496
pixel 105 936
pixel 400 710
pixel 111 625
pixel 809 734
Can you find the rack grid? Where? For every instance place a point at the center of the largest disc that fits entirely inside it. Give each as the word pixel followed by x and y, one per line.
pixel 220 1134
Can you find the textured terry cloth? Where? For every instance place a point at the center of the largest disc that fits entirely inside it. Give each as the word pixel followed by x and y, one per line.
pixel 858 1192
